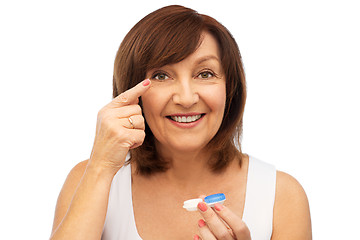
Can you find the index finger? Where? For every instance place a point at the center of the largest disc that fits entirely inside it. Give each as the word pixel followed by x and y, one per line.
pixel 132 95
pixel 237 225
pixel 215 224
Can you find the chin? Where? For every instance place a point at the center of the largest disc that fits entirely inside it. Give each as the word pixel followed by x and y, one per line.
pixel 187 147
pixel 183 144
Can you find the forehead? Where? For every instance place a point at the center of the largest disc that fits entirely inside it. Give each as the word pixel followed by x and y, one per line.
pixel 208 48
pixel 208 52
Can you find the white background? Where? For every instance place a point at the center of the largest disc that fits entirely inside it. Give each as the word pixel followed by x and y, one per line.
pixel 302 65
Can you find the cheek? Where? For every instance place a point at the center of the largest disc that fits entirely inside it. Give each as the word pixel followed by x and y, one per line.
pixel 147 105
pixel 215 97
pixel 152 102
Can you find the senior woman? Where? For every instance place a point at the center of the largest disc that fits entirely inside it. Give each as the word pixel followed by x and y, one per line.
pixel 175 136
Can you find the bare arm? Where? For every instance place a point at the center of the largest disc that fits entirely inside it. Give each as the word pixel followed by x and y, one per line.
pixel 82 204
pixel 291 210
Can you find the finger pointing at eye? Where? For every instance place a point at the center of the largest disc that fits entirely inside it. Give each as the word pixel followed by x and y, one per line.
pixel 132 95
pixel 120 127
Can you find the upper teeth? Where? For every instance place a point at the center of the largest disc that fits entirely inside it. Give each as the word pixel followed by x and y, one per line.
pixel 186 119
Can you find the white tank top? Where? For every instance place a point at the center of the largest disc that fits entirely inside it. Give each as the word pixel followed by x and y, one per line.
pixel 258 209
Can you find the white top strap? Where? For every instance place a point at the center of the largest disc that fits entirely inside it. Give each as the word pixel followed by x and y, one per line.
pixel 259 200
pixel 120 220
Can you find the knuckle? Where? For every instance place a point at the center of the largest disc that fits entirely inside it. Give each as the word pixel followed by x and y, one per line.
pixel 104 113
pixel 209 216
pixel 114 135
pixel 138 109
pixel 223 235
pixel 125 139
pixel 240 228
pixel 142 125
pixel 107 123
pixel 131 139
pixel 123 97
pixel 101 112
pixel 138 138
pixel 106 116
pixel 142 119
pixel 123 135
pixel 142 137
pixel 211 213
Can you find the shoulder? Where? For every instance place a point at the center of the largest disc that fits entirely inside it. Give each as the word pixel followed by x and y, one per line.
pixel 72 181
pixel 291 209
pixel 68 190
pixel 287 185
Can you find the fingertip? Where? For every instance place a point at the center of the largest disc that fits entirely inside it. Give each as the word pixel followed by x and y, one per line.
pixel 202 206
pixel 146 82
pixel 201 223
pixel 218 207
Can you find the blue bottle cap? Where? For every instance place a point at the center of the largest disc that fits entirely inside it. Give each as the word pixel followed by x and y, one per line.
pixel 215 198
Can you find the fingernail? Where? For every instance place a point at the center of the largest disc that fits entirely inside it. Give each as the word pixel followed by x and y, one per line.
pixel 146 82
pixel 201 223
pixel 196 237
pixel 202 206
pixel 218 206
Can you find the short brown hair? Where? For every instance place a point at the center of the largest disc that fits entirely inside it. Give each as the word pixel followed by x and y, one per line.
pixel 169 35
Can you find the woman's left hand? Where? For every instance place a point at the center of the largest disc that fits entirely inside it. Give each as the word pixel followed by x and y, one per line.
pixel 220 223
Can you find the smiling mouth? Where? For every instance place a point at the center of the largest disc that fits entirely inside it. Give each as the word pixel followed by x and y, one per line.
pixel 186 119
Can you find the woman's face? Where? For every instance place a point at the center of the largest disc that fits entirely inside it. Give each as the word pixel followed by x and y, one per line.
pixel 185 105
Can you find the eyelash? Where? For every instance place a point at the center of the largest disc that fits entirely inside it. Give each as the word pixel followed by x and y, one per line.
pixel 208 72
pixel 156 74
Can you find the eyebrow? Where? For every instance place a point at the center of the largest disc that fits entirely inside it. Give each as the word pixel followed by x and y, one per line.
pixel 206 58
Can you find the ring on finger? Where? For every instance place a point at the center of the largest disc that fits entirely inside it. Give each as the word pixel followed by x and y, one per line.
pixel 131 122
pixel 230 230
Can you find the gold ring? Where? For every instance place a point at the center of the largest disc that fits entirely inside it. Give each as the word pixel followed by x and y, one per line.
pixel 131 122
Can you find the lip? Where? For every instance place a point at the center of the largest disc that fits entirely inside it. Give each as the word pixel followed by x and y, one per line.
pixel 186 125
pixel 185 114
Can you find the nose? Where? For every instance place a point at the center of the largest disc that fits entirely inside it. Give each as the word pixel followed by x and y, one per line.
pixel 185 93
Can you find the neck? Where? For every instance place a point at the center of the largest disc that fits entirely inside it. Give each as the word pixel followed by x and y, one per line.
pixel 188 170
pixel 189 175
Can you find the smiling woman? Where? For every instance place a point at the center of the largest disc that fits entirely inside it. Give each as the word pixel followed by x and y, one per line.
pixel 168 36
pixel 184 99
pixel 173 137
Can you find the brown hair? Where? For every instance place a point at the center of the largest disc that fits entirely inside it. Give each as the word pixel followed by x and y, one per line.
pixel 169 35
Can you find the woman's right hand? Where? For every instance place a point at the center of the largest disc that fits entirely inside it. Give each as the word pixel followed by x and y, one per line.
pixel 84 197
pixel 120 127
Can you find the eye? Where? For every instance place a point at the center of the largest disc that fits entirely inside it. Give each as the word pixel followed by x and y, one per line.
pixel 205 75
pixel 160 76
